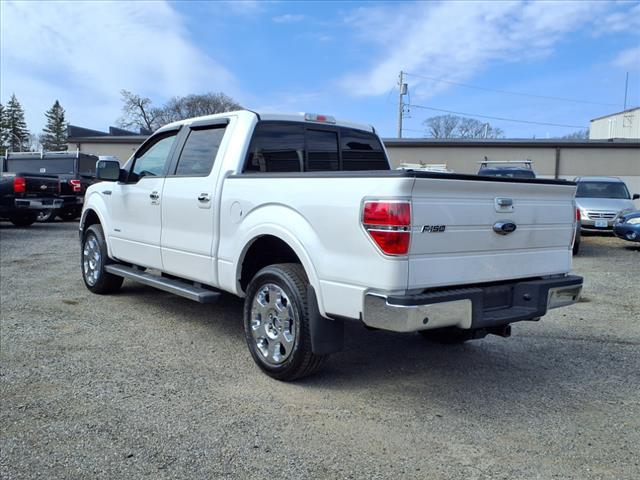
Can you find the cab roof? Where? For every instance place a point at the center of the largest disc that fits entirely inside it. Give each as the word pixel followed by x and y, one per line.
pixel 274 116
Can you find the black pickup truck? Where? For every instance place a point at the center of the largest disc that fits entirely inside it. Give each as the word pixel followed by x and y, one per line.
pixel 75 172
pixel 24 195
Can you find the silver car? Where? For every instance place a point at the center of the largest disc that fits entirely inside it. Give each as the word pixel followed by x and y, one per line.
pixel 600 199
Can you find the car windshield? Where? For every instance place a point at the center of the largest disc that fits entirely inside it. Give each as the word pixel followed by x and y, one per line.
pixel 602 190
pixel 45 166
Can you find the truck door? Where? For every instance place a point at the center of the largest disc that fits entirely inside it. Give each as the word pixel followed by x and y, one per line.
pixel 136 203
pixel 189 204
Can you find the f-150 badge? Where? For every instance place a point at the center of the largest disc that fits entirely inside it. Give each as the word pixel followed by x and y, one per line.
pixel 434 228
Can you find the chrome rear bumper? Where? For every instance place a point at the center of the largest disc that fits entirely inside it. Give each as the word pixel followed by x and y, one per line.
pixel 471 308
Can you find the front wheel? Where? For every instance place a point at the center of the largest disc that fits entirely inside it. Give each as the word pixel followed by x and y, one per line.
pixel 276 322
pixel 94 258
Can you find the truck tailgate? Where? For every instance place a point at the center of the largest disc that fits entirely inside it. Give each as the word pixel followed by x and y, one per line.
pixel 453 239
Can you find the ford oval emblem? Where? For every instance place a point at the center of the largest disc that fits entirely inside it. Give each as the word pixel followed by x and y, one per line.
pixel 504 227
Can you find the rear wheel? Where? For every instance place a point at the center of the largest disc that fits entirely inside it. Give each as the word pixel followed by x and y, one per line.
pixel 94 258
pixel 276 322
pixel 24 219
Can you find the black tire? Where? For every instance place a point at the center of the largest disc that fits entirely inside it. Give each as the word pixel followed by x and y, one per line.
pixel 576 248
pixel 24 219
pixel 98 281
pixel 46 216
pixel 300 361
pixel 446 336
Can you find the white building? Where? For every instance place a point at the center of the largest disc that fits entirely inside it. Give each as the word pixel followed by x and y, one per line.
pixel 624 124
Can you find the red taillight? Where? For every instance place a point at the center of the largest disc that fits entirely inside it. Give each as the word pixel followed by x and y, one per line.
pixel 389 225
pixel 397 214
pixel 76 185
pixel 577 214
pixel 19 185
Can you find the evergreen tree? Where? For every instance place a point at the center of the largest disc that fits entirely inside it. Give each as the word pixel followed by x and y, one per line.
pixel 3 132
pixel 15 127
pixel 54 134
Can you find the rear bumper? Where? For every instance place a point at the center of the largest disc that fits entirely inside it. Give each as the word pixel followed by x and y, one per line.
pixel 38 203
pixel 471 308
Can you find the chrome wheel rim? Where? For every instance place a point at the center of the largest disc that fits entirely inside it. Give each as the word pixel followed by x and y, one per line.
pixel 91 260
pixel 272 324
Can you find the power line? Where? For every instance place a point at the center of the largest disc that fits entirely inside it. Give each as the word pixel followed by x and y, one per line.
pixel 497 118
pixel 533 95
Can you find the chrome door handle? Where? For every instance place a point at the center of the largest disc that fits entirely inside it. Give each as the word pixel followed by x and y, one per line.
pixel 154 196
pixel 204 197
pixel 106 192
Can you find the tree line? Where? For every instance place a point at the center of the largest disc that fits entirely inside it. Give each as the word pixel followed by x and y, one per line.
pixel 139 111
pixel 454 126
pixel 16 137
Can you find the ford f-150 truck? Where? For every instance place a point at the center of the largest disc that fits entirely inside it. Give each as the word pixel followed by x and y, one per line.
pixel 302 217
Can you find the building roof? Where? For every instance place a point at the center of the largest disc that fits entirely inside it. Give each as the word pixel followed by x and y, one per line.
pixel 133 139
pixel 510 142
pixel 77 134
pixel 617 113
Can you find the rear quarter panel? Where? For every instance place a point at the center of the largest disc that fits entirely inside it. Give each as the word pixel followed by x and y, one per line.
pixel 320 220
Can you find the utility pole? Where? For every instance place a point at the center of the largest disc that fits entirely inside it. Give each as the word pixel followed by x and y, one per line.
pixel 626 88
pixel 402 90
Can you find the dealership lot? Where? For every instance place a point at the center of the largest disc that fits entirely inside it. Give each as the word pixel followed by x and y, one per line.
pixel 143 384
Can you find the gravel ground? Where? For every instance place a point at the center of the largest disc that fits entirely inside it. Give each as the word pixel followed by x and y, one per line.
pixel 143 384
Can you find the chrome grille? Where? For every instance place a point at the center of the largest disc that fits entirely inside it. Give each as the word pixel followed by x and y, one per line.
pixel 602 215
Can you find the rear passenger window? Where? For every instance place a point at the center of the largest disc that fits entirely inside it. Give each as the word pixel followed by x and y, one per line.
pixel 276 148
pixel 199 152
pixel 361 151
pixel 87 166
pixel 322 151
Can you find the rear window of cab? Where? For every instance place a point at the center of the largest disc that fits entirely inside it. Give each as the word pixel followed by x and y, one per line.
pixel 298 147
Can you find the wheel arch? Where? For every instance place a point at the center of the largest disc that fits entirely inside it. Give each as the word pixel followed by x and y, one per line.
pixel 94 214
pixel 283 247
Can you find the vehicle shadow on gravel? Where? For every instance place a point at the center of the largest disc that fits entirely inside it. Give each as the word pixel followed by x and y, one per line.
pixel 513 371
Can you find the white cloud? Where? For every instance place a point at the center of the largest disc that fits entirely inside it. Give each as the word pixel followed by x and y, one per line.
pixel 619 22
pixel 84 53
pixel 455 40
pixel 628 59
pixel 289 18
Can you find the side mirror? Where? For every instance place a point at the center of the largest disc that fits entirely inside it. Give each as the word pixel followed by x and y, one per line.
pixel 108 170
pixel 636 196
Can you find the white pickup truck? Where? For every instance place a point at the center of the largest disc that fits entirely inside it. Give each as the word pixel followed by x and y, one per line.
pixel 302 216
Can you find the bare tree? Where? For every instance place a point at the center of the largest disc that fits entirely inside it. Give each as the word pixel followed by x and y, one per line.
pixel 179 108
pixel 137 111
pixel 442 126
pixel 453 126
